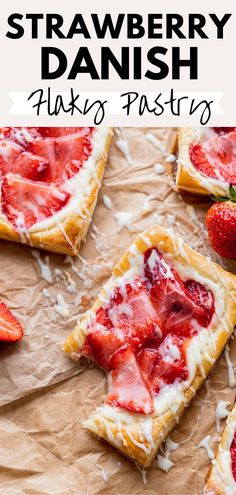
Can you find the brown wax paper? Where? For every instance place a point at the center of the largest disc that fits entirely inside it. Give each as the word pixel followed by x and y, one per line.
pixel 43 449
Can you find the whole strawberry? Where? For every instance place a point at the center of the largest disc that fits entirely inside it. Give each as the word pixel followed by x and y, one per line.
pixel 221 226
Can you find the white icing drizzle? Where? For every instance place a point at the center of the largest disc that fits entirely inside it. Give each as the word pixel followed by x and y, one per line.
pixel 170 219
pixel 146 205
pixel 170 158
pixel 61 228
pixel 124 148
pixel 192 212
pixel 143 474
pixel 169 351
pixel 155 142
pixel 104 476
pixel 221 412
pixel 159 169
pixel 145 240
pixel 158 218
pixel 46 297
pixel 205 444
pixel 44 267
pixel 124 219
pixel 61 307
pixel 231 375
pixel 107 202
pixel 170 446
pixel 164 463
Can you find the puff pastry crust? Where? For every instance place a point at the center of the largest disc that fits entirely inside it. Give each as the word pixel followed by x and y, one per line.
pixel 221 480
pixel 188 178
pixel 65 231
pixel 139 436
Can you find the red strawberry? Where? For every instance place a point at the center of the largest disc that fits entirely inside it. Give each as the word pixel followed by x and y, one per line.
pixel 233 456
pixel 128 389
pixel 10 328
pixel 221 226
pixel 25 202
pixel 216 157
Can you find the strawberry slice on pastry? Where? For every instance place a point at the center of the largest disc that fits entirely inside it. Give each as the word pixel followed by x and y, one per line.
pixel 25 202
pixel 127 387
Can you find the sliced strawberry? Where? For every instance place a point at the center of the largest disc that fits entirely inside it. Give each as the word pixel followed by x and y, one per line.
pixel 72 152
pixel 62 131
pixel 202 297
pixel 164 364
pixel 102 317
pixel 10 328
pixel 147 358
pixel 65 154
pixel 128 389
pixel 155 268
pixel 25 202
pixel 26 165
pixel 168 293
pixel 45 147
pixel 165 372
pixel 200 160
pixel 134 316
pixel 233 456
pixel 9 151
pixel 223 130
pixel 101 345
pixel 21 135
pixel 216 157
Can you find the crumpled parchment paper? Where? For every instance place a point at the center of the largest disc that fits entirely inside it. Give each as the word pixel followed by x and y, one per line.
pixel 43 449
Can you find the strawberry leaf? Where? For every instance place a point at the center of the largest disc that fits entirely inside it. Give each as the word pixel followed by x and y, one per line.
pixel 219 199
pixel 232 192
